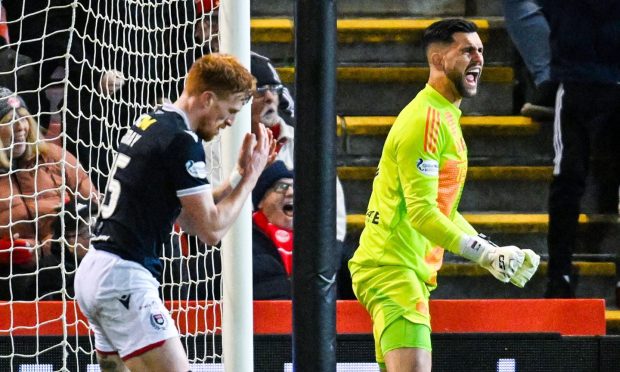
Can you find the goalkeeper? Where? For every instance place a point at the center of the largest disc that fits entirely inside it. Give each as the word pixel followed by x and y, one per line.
pixel 412 213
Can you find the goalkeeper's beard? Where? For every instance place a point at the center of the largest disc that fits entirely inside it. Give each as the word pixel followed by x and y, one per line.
pixel 458 79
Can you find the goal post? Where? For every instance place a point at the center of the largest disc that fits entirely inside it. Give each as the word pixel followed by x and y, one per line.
pixel 85 71
pixel 237 252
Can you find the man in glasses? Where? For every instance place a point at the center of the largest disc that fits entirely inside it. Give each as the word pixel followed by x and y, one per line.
pixel 272 233
pixel 273 106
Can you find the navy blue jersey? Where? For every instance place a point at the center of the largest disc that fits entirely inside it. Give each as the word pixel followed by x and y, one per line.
pixel 158 160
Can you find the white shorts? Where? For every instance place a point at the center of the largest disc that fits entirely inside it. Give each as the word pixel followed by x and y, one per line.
pixel 120 298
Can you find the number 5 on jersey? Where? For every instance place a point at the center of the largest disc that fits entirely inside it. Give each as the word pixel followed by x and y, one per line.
pixel 113 191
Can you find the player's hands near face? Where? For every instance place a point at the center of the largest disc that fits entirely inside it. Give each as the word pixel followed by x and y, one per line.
pixel 273 142
pixel 272 148
pixel 255 153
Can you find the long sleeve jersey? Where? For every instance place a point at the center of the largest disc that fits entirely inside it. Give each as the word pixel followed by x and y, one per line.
pixel 412 213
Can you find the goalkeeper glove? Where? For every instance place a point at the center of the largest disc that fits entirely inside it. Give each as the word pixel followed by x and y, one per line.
pixel 527 270
pixel 502 262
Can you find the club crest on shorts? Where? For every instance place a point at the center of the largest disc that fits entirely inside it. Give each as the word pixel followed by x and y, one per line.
pixel 158 321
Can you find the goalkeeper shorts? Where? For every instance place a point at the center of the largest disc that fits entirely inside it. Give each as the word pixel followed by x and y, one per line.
pixel 390 293
pixel 120 299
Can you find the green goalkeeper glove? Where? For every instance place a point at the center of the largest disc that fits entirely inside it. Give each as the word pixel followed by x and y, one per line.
pixel 502 262
pixel 527 270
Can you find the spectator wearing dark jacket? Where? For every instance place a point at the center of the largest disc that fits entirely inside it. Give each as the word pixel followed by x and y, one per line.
pixel 272 233
pixel 585 60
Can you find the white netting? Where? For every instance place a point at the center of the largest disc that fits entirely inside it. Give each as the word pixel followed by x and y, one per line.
pixel 85 70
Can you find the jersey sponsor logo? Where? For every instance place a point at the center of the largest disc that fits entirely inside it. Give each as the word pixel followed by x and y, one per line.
pixel 372 217
pixel 196 169
pixel 158 321
pixel 145 122
pixel 428 167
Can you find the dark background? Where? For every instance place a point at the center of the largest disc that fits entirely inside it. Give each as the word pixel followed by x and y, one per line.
pixel 451 352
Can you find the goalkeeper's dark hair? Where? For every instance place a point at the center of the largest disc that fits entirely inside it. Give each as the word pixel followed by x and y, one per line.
pixel 442 31
pixel 219 73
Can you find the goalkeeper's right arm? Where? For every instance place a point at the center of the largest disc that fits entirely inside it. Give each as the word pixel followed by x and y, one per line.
pixel 507 264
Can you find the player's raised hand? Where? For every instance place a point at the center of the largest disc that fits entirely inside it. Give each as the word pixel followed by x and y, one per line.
pixel 273 153
pixel 255 153
pixel 265 146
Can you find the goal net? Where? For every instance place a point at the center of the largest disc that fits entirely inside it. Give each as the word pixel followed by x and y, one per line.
pixel 77 74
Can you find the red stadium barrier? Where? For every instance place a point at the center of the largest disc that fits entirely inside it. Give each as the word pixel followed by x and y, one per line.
pixel 580 317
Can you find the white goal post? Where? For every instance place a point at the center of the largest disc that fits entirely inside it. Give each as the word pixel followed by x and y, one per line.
pixel 85 70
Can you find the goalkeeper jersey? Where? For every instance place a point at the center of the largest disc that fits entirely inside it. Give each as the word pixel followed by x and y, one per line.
pixel 412 213
pixel 159 159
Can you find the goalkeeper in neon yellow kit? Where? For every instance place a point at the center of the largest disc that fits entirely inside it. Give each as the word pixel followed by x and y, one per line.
pixel 412 213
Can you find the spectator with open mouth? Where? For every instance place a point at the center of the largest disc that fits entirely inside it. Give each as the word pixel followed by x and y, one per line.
pixel 272 233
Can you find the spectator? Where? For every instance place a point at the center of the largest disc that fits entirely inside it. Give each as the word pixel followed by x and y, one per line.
pixel 529 31
pixel 15 69
pixel 263 68
pixel 272 233
pixel 42 33
pixel 267 109
pixel 585 40
pixel 265 106
pixel 32 176
pixel 206 31
pixel 4 30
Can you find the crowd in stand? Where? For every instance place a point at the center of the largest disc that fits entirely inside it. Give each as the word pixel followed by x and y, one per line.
pixel 88 139
pixel 59 191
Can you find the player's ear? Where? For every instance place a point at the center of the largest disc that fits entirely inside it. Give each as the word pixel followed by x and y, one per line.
pixel 207 98
pixel 436 60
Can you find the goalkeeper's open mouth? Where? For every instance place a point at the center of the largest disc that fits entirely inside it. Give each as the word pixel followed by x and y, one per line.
pixel 472 75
